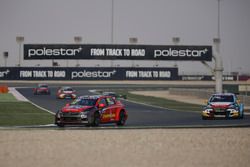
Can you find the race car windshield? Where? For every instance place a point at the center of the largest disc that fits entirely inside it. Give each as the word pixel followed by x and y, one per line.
pixel 68 89
pixel 109 94
pixel 84 102
pixel 222 99
pixel 43 86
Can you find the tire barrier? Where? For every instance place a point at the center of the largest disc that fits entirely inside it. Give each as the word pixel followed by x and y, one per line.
pixel 4 89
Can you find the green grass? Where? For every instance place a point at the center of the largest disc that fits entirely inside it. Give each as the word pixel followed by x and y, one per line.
pixel 15 113
pixel 157 101
pixel 7 97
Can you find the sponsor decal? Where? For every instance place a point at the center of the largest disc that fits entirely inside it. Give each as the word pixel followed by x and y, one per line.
pixel 121 52
pixel 47 52
pixel 42 74
pixel 88 73
pixel 226 78
pixel 117 52
pixel 4 73
pixel 180 53
pixel 108 115
pixel 92 74
pixel 148 74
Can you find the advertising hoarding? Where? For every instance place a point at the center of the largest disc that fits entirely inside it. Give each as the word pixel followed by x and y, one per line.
pixel 118 52
pixel 88 73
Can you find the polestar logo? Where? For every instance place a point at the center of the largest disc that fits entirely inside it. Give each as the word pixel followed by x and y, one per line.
pixel 92 74
pixel 54 52
pixel 4 73
pixel 180 53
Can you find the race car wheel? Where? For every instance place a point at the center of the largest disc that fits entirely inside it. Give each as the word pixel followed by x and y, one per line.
pixel 96 119
pixel 227 115
pixel 204 118
pixel 122 119
pixel 60 125
pixel 241 115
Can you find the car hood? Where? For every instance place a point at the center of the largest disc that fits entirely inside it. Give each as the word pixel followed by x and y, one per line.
pixel 220 104
pixel 75 108
pixel 43 88
pixel 68 92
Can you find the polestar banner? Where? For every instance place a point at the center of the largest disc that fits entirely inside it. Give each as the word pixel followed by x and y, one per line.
pixel 119 52
pixel 88 73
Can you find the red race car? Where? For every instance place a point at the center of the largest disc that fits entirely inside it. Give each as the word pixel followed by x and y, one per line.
pixel 41 89
pixel 92 111
pixel 66 92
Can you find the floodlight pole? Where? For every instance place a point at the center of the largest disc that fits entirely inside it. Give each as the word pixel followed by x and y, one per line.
pixel 133 41
pixel 218 59
pixel 176 41
pixel 19 40
pixel 5 56
pixel 78 40
pixel 218 67
pixel 112 21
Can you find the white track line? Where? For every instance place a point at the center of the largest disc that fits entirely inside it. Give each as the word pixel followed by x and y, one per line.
pixel 20 97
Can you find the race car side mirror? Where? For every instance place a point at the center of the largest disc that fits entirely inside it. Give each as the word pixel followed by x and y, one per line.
pixel 101 105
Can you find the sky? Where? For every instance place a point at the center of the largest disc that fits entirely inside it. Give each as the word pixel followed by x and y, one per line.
pixel 153 22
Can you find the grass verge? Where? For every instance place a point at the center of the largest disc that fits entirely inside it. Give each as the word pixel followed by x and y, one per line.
pixel 7 97
pixel 15 113
pixel 157 101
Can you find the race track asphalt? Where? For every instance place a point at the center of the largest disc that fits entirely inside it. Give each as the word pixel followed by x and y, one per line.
pixel 139 115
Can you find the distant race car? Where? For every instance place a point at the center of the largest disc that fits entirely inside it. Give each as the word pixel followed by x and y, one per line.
pixel 66 92
pixel 92 111
pixel 225 105
pixel 41 89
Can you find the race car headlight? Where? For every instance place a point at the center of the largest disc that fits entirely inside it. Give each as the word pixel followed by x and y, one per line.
pixel 232 110
pixel 59 114
pixel 61 95
pixel 208 110
pixel 83 114
pixel 232 106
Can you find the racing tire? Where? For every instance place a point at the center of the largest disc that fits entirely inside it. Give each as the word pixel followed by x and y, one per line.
pixel 122 119
pixel 60 125
pixel 96 119
pixel 204 118
pixel 227 115
pixel 241 115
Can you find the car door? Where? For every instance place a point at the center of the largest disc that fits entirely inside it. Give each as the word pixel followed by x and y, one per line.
pixel 105 111
pixel 112 107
